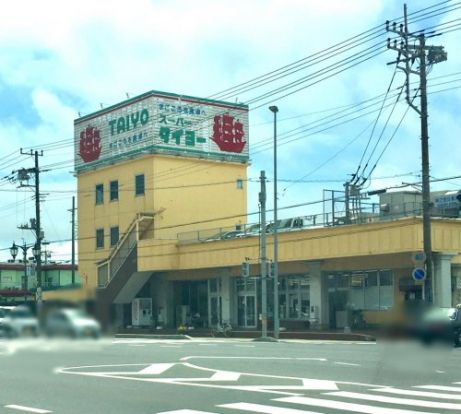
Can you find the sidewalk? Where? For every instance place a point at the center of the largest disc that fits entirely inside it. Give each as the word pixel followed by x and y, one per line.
pixel 335 335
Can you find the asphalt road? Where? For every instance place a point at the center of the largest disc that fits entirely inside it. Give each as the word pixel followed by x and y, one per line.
pixel 227 376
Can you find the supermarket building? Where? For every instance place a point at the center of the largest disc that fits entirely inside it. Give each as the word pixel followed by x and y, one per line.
pixel 162 211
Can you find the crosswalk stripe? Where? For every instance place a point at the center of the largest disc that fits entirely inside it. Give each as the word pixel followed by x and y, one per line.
pixel 419 393
pixel 393 400
pixel 185 411
pixel 264 409
pixel 344 406
pixel 439 388
pixel 156 369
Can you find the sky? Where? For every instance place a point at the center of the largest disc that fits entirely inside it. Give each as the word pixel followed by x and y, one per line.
pixel 59 60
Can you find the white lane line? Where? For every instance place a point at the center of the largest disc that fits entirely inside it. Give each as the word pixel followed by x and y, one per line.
pixel 438 388
pixel 265 409
pixel 419 393
pixel 245 346
pixel 186 411
pixel 347 363
pixel 28 409
pixel 136 345
pixel 439 372
pixel 208 344
pixel 250 357
pixel 170 346
pixel 344 406
pixel 156 369
pixel 393 400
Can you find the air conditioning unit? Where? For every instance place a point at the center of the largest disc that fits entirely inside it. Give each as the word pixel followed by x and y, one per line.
pixel 141 312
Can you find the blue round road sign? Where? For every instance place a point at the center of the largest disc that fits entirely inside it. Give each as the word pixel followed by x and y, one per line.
pixel 419 274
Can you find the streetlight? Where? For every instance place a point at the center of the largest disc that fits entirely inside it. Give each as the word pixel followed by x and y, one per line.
pixel 14 249
pixel 274 110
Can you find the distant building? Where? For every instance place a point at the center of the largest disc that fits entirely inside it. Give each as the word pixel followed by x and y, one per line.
pixel 18 281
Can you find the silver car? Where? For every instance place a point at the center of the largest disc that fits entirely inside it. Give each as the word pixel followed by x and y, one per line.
pixel 18 321
pixel 73 323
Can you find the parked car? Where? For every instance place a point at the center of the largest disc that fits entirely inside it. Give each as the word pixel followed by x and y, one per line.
pixel 441 324
pixel 18 321
pixel 251 230
pixel 224 235
pixel 290 224
pixel 73 323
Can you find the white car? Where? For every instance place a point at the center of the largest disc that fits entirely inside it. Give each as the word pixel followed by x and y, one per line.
pixel 18 321
pixel 73 323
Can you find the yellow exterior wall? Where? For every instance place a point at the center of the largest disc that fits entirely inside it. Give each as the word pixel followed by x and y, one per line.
pixel 180 190
pixel 354 241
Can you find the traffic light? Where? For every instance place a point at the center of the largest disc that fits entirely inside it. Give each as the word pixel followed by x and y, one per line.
pixel 245 269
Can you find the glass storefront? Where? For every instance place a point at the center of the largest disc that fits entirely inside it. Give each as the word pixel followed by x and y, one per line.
pixel 364 290
pixel 294 297
pixel 246 302
pixel 215 301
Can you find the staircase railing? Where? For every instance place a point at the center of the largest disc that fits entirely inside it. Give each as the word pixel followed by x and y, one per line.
pixel 108 268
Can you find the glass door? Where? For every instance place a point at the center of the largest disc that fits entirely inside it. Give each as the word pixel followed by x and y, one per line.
pixel 246 311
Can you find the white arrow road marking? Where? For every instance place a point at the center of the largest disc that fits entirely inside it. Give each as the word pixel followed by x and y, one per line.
pixel 265 409
pixel 155 369
pixel 439 388
pixel 393 400
pixel 413 393
pixel 344 406
pixel 28 409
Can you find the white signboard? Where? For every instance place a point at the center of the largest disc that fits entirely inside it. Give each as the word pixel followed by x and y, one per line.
pixel 158 122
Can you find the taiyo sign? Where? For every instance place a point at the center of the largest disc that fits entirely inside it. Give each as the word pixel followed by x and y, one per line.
pixel 162 123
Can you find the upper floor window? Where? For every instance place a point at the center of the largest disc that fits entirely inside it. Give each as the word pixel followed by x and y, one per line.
pixel 113 190
pixel 239 184
pixel 114 235
pixel 139 184
pixel 99 193
pixel 99 238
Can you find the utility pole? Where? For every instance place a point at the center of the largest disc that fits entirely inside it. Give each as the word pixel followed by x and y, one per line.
pixel 37 227
pixel 275 274
pixel 407 55
pixel 73 241
pixel 262 202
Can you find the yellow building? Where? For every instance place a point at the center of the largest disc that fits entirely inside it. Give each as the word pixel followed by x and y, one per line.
pixel 162 229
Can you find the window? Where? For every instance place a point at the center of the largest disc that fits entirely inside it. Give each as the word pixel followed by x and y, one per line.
pixel 114 235
pixel 239 184
pixel 99 238
pixel 113 190
pixel 367 290
pixel 99 194
pixel 139 184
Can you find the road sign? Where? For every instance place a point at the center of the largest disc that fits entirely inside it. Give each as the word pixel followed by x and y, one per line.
pixel 418 258
pixel 419 274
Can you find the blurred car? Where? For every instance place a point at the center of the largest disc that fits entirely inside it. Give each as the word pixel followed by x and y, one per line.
pixel 18 321
pixel 441 324
pixel 224 236
pixel 73 323
pixel 251 230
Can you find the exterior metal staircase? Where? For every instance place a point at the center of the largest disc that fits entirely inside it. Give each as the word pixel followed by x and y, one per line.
pixel 115 272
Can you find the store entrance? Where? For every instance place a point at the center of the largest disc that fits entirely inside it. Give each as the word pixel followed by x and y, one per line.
pixel 246 310
pixel 247 305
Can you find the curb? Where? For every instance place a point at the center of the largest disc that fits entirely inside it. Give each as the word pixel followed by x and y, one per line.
pixel 153 336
